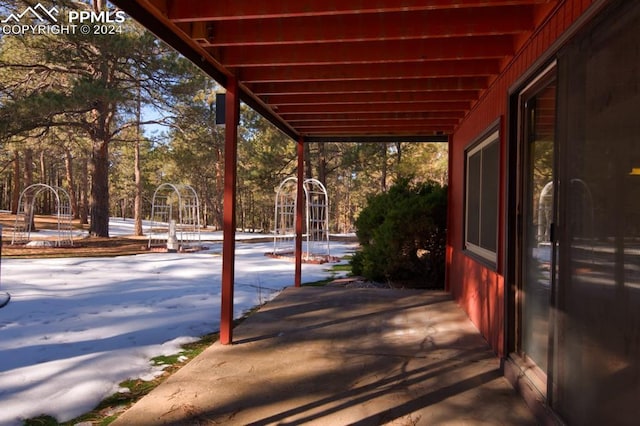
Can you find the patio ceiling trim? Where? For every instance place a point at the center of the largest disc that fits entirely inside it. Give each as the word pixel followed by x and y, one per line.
pixel 320 69
pixel 197 10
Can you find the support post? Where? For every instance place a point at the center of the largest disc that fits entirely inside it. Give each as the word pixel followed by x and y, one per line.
pixel 232 113
pixel 299 213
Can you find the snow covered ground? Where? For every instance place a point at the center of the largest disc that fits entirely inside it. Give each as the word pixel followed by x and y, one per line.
pixel 77 327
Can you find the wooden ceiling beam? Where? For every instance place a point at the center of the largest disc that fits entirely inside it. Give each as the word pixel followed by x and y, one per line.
pixel 367 107
pixel 370 86
pixel 431 137
pixel 198 10
pixel 373 129
pixel 379 97
pixel 369 27
pixel 438 122
pixel 454 48
pixel 336 116
pixel 460 68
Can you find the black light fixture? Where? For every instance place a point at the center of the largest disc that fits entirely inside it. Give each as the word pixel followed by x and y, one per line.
pixel 220 108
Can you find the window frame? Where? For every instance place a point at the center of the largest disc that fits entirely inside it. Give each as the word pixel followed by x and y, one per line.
pixel 486 139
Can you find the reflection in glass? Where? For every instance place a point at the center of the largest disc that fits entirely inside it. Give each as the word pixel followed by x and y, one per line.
pixel 538 219
pixel 596 371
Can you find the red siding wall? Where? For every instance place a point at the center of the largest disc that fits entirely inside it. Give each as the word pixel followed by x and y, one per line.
pixel 479 290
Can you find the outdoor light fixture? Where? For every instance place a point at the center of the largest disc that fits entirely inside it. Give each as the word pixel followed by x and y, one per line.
pixel 635 171
pixel 220 108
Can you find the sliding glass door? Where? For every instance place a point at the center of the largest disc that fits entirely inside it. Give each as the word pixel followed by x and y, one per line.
pixel 537 205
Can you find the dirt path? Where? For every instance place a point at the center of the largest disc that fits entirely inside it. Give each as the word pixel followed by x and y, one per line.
pixel 86 247
pixel 82 247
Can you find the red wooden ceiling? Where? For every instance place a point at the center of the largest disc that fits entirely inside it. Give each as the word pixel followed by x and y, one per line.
pixel 331 69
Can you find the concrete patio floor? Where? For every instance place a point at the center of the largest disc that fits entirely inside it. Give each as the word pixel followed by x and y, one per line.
pixel 336 356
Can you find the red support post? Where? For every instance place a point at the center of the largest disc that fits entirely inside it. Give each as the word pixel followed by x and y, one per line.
pixel 232 113
pixel 299 213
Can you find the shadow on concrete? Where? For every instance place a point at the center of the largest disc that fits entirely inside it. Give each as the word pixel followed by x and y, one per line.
pixel 342 356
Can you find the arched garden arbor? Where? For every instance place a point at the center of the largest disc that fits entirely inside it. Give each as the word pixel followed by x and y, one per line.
pixel 316 225
pixel 175 217
pixel 24 224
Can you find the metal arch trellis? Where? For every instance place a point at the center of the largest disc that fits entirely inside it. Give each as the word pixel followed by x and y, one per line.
pixel 316 221
pixel 175 217
pixel 285 217
pixel 317 216
pixel 26 208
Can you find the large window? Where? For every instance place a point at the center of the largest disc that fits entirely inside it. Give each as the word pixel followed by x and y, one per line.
pixel 482 161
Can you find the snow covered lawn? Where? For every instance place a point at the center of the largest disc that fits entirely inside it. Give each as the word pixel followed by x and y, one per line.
pixel 77 327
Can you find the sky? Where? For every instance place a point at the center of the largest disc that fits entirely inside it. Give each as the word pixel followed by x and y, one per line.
pixel 77 327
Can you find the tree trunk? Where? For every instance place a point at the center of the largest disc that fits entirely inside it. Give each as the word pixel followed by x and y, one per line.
pixel 205 213
pixel 137 201
pixel 71 185
pixel 99 203
pixel 219 191
pixel 29 200
pixel 241 212
pixel 100 130
pixel 383 175
pixel 308 170
pixel 322 163
pixel 28 167
pixel 84 192
pixel 15 193
pixel 46 196
pixel 6 191
pixel 97 5
pixel 399 159
pixel 347 208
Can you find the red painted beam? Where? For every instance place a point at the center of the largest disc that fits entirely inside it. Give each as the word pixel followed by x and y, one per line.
pixel 369 27
pixel 379 97
pixel 369 86
pixel 365 107
pixel 454 48
pixel 369 136
pixel 232 113
pixel 293 119
pixel 458 68
pixel 198 10
pixel 387 121
pixel 376 128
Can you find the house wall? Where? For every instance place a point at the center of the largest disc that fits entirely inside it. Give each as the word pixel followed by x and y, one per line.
pixel 476 287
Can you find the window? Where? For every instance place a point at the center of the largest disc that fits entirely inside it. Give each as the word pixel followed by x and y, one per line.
pixel 481 196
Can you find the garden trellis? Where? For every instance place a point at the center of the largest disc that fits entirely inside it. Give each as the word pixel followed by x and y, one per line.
pixel 175 218
pixel 24 224
pixel 315 225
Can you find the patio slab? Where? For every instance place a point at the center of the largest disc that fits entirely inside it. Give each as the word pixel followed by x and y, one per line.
pixel 336 356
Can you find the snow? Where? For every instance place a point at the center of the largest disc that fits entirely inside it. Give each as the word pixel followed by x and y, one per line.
pixel 125 227
pixel 77 327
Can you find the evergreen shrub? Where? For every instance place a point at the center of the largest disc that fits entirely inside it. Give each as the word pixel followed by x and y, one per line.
pixel 402 234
